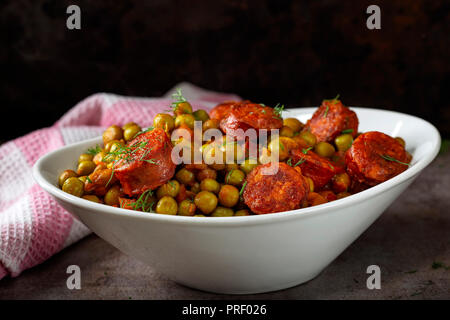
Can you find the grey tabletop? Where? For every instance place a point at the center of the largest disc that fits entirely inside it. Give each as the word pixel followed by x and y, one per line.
pixel 410 243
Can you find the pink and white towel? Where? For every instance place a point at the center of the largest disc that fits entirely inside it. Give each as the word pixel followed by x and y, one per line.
pixel 33 226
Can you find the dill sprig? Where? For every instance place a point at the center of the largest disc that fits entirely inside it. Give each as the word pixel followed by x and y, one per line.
pixel 326 112
pixel 333 101
pixel 278 110
pixel 347 131
pixel 126 153
pixel 305 151
pixel 227 177
pixel 389 158
pixel 142 202
pixel 178 98
pixel 94 151
pixel 299 162
pixel 143 131
pixel 243 188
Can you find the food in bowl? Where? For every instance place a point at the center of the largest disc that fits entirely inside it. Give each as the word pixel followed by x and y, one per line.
pixel 323 160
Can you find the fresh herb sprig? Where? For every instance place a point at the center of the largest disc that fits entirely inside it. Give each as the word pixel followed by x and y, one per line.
pixel 389 158
pixel 125 153
pixel 243 188
pixel 93 151
pixel 142 203
pixel 333 101
pixel 299 162
pixel 278 110
pixel 178 99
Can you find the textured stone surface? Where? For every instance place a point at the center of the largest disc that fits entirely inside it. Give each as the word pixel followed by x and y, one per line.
pixel 405 242
pixel 294 52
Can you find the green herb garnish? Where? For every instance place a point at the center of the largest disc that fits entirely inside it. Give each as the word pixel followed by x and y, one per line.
pixel 94 151
pixel 389 158
pixel 88 179
pixel 299 162
pixel 228 175
pixel 178 99
pixel 143 131
pixel 333 101
pixel 347 131
pixel 278 110
pixel 242 189
pixel 305 151
pixel 142 202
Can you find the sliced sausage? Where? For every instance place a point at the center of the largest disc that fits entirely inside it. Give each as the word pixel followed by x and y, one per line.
pixel 330 119
pixel 285 190
pixel 375 157
pixel 99 180
pixel 222 110
pixel 248 115
pixel 318 168
pixel 146 164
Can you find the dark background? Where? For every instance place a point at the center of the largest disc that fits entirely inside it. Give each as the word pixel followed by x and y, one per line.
pixel 270 51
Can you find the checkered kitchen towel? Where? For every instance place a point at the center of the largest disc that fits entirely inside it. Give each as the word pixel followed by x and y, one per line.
pixel 33 226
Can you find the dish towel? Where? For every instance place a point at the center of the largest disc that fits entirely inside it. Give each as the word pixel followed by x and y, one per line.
pixel 33 227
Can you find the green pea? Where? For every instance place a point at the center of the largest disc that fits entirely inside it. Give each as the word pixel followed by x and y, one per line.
pixel 66 174
pixel 164 121
pixel 186 208
pixel 182 108
pixel 74 186
pixel 186 119
pixel 85 168
pixel 222 212
pixel 228 196
pixel 85 157
pixel 243 212
pixel 185 176
pixel 171 188
pixel 130 132
pixel 210 185
pixel 324 149
pixel 167 205
pixel 206 201
pixel 309 138
pixel 248 165
pixel 92 198
pixel 235 177
pixel 201 115
pixel 343 142
pixel 195 188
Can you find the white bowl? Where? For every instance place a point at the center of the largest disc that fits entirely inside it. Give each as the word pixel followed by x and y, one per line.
pixel 249 254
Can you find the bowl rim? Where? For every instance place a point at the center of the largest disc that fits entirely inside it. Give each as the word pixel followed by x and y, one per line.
pixel 410 173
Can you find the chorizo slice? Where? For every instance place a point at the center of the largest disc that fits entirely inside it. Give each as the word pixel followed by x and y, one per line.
pixel 375 157
pixel 285 190
pixel 248 115
pixel 146 163
pixel 318 168
pixel 99 180
pixel 330 119
pixel 222 110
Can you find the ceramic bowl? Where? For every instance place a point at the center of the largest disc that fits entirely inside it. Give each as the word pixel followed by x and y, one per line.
pixel 249 254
